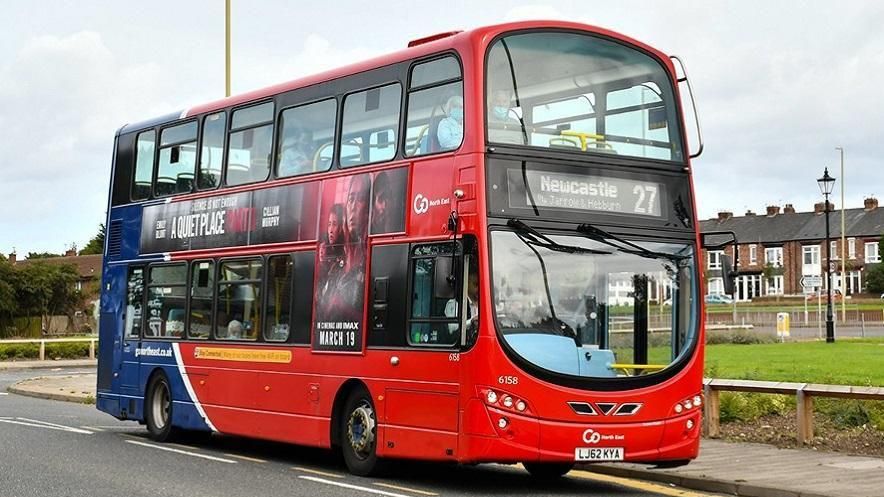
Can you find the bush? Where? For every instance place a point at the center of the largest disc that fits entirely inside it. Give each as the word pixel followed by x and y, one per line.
pixel 62 350
pixel 67 350
pixel 736 406
pixel 18 351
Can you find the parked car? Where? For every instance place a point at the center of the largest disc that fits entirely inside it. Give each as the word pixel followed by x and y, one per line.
pixel 717 298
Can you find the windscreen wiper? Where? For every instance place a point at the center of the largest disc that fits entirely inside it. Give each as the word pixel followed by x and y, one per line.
pixel 600 235
pixel 534 237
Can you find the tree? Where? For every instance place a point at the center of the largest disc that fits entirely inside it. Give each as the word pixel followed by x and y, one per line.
pixel 8 280
pixel 42 255
pixel 96 244
pixel 875 279
pixel 46 290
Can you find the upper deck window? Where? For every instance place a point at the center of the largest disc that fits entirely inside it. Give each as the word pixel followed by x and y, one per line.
pixel 251 139
pixel 370 124
pixel 435 108
pixel 209 174
pixel 308 138
pixel 145 149
pixel 580 93
pixel 177 159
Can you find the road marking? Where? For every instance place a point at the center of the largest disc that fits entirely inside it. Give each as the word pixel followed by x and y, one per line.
pixel 636 484
pixel 353 487
pixel 91 428
pixel 406 489
pixel 317 472
pixel 42 424
pixel 182 452
pixel 246 458
pixel 3 393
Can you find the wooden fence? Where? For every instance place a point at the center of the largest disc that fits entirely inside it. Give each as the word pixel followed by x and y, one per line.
pixel 804 394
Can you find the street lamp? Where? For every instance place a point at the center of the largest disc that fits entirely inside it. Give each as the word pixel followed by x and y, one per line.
pixel 827 183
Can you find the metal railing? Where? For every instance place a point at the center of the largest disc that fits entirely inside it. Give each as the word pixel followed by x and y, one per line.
pixel 804 394
pixel 43 341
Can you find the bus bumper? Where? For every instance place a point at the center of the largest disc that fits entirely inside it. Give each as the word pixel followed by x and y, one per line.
pixel 523 438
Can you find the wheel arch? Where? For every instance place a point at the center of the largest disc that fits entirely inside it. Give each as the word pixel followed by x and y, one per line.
pixel 347 388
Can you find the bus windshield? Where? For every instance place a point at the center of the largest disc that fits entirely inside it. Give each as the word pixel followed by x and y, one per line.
pixel 588 307
pixel 580 93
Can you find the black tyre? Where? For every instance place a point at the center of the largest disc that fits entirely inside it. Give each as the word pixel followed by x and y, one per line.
pixel 359 435
pixel 548 470
pixel 158 409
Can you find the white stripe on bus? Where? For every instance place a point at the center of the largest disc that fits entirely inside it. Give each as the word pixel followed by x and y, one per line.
pixel 196 402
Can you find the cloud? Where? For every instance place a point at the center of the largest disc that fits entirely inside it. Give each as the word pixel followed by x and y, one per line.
pixel 65 96
pixel 316 54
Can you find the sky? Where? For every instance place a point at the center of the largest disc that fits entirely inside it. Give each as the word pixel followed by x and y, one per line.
pixel 778 85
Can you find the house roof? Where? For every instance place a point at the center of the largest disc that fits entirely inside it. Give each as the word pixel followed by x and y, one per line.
pixel 799 226
pixel 88 266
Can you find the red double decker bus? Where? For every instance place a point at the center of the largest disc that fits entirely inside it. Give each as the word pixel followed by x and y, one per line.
pixel 482 248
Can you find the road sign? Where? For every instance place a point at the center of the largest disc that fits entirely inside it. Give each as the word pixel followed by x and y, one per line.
pixel 812 281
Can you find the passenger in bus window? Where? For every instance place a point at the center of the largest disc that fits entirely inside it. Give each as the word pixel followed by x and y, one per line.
pixel 472 308
pixel 450 130
pixel 504 124
pixel 234 329
pixel 296 154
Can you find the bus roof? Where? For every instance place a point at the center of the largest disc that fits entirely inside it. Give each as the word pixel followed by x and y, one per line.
pixel 417 48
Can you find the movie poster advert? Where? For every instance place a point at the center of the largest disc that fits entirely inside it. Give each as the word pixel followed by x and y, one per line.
pixel 340 285
pixel 352 207
pixel 274 215
pixel 388 191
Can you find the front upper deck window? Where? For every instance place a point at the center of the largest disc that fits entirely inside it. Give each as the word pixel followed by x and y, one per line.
pixel 580 93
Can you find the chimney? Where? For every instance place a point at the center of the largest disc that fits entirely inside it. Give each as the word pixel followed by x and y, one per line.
pixel 12 256
pixel 818 207
pixel 789 209
pixel 724 216
pixel 749 212
pixel 773 210
pixel 70 252
pixel 870 203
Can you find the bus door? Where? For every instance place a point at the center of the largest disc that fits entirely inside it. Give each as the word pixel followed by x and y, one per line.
pixel 132 320
pixel 417 308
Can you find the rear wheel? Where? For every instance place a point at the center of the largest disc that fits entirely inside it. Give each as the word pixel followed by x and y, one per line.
pixel 359 435
pixel 158 409
pixel 548 470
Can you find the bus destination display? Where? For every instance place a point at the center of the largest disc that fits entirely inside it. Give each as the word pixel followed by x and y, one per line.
pixel 555 190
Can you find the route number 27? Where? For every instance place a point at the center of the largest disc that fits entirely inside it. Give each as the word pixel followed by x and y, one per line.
pixel 647 194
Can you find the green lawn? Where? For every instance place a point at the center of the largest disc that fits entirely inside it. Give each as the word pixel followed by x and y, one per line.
pixel 846 362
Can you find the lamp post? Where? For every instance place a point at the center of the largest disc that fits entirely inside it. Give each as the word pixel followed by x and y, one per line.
pixel 826 184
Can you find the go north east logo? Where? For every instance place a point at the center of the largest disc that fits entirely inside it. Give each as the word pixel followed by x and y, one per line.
pixel 152 352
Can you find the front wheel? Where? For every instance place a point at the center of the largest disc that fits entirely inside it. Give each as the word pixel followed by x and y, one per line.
pixel 359 440
pixel 158 409
pixel 548 470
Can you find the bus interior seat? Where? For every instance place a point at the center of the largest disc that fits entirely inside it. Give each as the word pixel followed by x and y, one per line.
pixel 184 182
pixel 165 185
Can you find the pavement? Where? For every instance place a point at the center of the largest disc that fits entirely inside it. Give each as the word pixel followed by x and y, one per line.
pixel 743 469
pixel 74 363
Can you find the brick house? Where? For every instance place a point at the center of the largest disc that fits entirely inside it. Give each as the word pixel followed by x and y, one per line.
pixel 778 248
pixel 88 267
